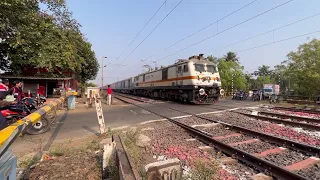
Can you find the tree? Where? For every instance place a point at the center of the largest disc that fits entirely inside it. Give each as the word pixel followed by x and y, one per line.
pixel 231 70
pixel 231 56
pixel 43 39
pixel 90 84
pixel 304 68
pixel 213 59
pixel 264 70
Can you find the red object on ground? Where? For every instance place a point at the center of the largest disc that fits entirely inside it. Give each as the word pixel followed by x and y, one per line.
pixel 290 134
pixel 109 90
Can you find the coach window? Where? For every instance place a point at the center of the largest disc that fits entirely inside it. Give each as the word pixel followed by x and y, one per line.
pixel 185 68
pixel 164 74
pixel 144 78
pixel 179 69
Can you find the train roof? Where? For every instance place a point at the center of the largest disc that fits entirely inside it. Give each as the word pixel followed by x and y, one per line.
pixel 195 59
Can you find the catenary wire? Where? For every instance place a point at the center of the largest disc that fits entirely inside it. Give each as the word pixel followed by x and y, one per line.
pixel 274 42
pixel 151 31
pixel 226 29
pixel 143 28
pixel 273 30
pixel 198 31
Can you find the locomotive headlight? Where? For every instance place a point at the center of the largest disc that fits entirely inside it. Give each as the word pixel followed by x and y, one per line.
pixel 202 91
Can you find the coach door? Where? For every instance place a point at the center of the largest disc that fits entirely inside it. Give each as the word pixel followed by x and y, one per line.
pixel 179 80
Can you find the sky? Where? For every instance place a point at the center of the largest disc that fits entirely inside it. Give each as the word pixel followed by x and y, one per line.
pixel 110 26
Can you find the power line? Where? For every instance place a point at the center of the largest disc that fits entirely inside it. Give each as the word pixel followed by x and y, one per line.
pixel 286 39
pixel 228 29
pixel 152 30
pixel 143 28
pixel 273 30
pixel 216 22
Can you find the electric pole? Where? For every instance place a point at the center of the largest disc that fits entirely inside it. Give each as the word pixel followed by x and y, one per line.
pixel 102 71
pixel 103 66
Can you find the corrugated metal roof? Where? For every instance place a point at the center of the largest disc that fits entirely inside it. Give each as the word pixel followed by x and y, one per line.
pixel 32 77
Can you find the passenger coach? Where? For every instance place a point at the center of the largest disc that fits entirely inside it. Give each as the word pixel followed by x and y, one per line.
pixel 194 80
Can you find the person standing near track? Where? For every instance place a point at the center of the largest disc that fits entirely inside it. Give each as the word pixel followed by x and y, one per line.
pixel 109 92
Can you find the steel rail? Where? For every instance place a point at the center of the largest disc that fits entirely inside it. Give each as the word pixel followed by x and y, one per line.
pixel 136 99
pixel 262 165
pixel 276 120
pixel 308 149
pixel 294 109
pixel 298 118
pixel 123 160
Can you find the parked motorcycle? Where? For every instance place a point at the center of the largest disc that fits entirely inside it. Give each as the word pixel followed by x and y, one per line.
pixel 15 112
pixel 37 103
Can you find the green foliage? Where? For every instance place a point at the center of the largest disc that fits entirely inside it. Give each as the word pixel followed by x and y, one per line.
pixel 264 70
pixel 231 56
pixel 50 39
pixel 303 69
pixel 204 170
pixel 213 59
pixel 226 70
pixel 91 85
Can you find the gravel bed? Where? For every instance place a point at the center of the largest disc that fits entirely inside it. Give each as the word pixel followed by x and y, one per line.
pixel 217 131
pixel 285 158
pixel 193 121
pixel 235 139
pixel 256 147
pixel 169 141
pixel 313 173
pixel 314 134
pixel 302 114
pixel 266 127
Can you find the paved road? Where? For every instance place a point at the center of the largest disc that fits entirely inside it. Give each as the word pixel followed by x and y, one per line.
pixel 83 121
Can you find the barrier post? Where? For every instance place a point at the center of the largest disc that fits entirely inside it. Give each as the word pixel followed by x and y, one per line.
pixel 8 166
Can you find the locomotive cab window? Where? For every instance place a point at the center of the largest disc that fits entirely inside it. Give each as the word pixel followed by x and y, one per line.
pixel 185 68
pixel 199 67
pixel 211 68
pixel 179 69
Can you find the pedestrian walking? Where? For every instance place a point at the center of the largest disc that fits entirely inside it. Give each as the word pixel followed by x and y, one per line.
pixel 109 91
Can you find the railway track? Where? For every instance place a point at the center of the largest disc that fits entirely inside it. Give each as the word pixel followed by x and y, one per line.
pixel 295 109
pixel 256 161
pixel 295 121
pixel 145 100
pixel 123 161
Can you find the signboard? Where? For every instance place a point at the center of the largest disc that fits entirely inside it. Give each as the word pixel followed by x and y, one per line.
pixel 95 91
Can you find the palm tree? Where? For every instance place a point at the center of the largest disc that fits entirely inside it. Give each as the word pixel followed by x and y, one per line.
pixel 231 56
pixel 213 59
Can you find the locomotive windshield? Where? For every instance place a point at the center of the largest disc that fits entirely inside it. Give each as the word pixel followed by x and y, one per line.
pixel 211 68
pixel 199 67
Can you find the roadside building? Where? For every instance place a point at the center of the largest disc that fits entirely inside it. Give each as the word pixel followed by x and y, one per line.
pixel 35 81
